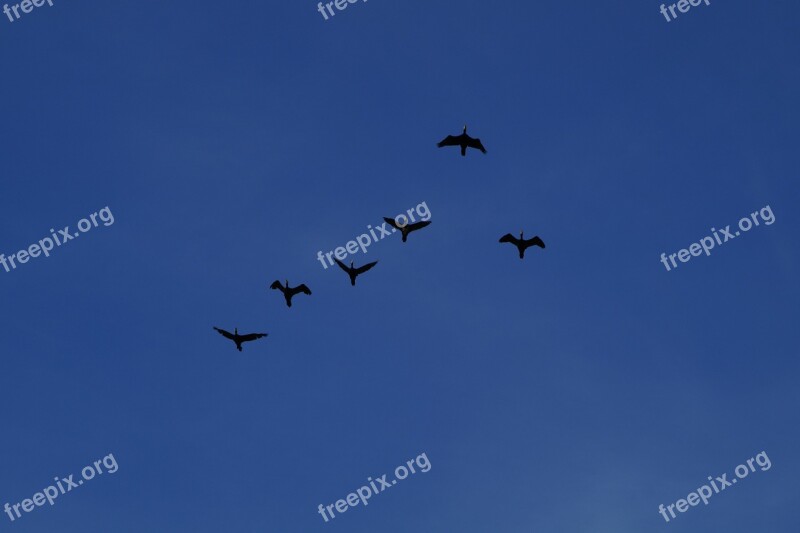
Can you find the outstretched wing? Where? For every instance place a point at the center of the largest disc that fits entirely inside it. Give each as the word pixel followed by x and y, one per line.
pixel 417 225
pixel 362 269
pixel 251 336
pixel 448 141
pixel 536 241
pixel 392 223
pixel 509 238
pixel 342 265
pixel 276 285
pixel 302 288
pixel 476 143
pixel 226 334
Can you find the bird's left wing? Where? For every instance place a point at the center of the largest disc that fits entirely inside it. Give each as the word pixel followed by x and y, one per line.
pixel 224 333
pixel 391 222
pixel 342 265
pixel 448 141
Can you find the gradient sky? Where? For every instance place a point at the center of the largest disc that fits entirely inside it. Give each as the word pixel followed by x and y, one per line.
pixel 573 391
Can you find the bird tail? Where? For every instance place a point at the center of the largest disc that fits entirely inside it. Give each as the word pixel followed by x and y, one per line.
pixel 463 149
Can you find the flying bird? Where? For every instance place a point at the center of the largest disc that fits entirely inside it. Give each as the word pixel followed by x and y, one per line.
pixel 354 272
pixel 408 228
pixel 288 292
pixel 239 339
pixel 463 141
pixel 521 243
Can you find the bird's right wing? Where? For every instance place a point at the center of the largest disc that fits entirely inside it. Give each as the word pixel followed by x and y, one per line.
pixel 276 285
pixel 391 222
pixel 417 225
pixel 342 265
pixel 509 238
pixel 303 288
pixel 448 141
pixel 476 143
pixel 224 333
pixel 535 241
pixel 362 269
pixel 252 336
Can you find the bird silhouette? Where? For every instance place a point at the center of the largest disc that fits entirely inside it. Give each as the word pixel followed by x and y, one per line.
pixel 463 140
pixel 352 271
pixel 408 228
pixel 288 292
pixel 521 243
pixel 239 339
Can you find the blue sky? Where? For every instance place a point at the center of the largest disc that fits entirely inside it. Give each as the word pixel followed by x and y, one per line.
pixel 573 391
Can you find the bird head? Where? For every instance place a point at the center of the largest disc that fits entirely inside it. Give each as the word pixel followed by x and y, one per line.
pixel 235 331
pixel 520 234
pixel 287 283
pixel 351 264
pixel 465 128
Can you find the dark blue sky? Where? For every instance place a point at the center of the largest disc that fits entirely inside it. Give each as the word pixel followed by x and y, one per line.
pixel 573 391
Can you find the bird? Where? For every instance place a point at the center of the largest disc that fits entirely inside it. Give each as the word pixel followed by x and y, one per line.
pixel 352 271
pixel 288 292
pixel 239 339
pixel 521 243
pixel 463 141
pixel 408 228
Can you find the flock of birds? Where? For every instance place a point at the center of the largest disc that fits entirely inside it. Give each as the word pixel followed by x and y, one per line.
pixel 464 141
